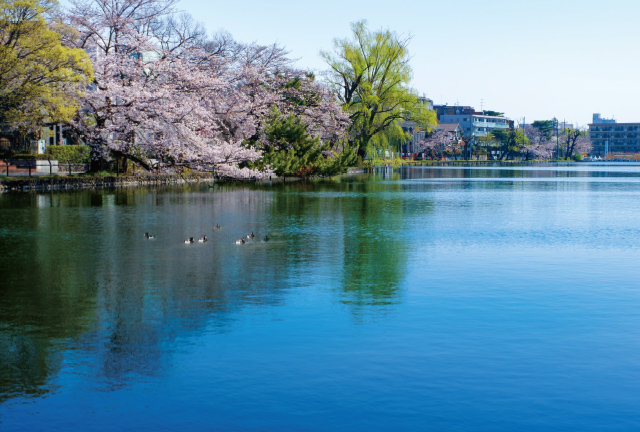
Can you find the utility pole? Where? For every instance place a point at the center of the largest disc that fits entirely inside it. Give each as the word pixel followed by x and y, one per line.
pixel 524 131
pixel 555 120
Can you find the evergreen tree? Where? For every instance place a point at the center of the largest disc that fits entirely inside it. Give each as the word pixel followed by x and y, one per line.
pixel 291 150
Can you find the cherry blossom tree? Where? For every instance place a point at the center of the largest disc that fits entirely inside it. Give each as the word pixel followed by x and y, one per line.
pixel 437 144
pixel 290 90
pixel 158 97
pixel 164 95
pixel 540 145
pixel 315 105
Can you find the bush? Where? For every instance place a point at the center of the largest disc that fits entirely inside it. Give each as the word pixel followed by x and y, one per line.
pixel 72 153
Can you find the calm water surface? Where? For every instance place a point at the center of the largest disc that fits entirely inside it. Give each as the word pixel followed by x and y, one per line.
pixel 422 299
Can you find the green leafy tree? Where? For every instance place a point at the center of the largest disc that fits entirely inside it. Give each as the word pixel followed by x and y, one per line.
pixel 40 78
pixel 509 142
pixel 574 142
pixel 492 113
pixel 370 75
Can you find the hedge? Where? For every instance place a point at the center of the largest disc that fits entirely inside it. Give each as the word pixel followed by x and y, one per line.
pixel 73 153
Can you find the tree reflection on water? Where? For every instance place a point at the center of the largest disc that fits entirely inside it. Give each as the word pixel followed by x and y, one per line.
pixel 80 279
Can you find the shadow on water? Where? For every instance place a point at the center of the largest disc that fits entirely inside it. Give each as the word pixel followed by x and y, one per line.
pixel 358 223
pixel 78 276
pixel 46 296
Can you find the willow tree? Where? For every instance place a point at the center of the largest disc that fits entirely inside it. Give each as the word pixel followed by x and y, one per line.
pixel 40 78
pixel 370 75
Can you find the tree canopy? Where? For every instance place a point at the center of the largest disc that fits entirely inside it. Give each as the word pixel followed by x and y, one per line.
pixel 545 127
pixel 40 78
pixel 492 113
pixel 509 142
pixel 574 142
pixel 370 74
pixel 165 96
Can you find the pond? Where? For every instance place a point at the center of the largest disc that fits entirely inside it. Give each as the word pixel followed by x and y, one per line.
pixel 425 298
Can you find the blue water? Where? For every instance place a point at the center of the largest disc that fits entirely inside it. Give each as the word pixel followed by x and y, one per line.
pixel 496 299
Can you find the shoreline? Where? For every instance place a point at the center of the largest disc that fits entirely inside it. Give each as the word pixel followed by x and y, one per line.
pixel 87 182
pixel 73 183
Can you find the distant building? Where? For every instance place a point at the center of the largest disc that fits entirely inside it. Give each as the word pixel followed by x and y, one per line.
pixel 597 118
pixel 416 133
pixel 426 101
pixel 473 123
pixel 560 124
pixel 609 137
pixel 50 134
pixel 453 129
pixel 563 124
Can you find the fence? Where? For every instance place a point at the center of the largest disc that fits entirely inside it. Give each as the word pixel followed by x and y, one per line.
pixel 20 167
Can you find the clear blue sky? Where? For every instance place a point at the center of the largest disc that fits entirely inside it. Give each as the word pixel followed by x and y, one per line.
pixel 537 58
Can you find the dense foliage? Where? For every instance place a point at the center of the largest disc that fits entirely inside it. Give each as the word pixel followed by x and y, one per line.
pixel 509 143
pixel 370 75
pixel 290 149
pixel 40 77
pixel 71 153
pixel 164 95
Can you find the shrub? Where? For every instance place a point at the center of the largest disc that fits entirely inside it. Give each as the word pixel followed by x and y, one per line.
pixel 72 153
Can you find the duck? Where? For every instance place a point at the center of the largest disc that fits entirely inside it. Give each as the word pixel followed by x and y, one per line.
pixel 203 239
pixel 217 226
pixel 266 238
pixel 149 236
pixel 189 240
pixel 250 236
pixel 240 242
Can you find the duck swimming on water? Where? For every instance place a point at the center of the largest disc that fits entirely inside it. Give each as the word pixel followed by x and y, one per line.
pixel 189 240
pixel 240 242
pixel 149 236
pixel 203 239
